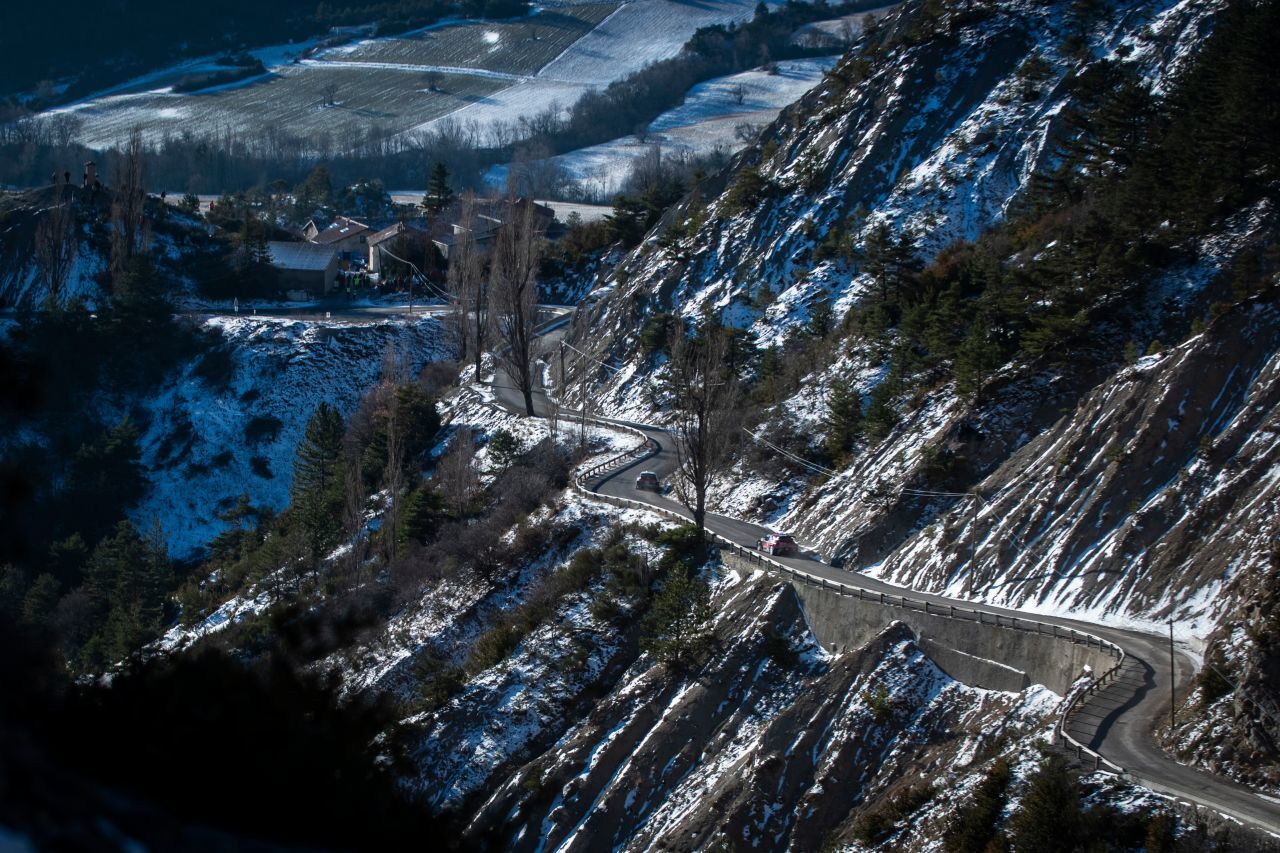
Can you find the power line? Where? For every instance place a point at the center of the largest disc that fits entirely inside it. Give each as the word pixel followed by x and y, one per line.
pixel 931 493
pixel 591 357
pixel 806 463
pixel 426 283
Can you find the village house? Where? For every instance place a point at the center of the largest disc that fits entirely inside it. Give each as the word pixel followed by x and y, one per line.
pixel 346 236
pixel 448 230
pixel 384 241
pixel 309 267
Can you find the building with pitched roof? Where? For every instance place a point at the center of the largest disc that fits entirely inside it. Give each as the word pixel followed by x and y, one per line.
pixel 304 266
pixel 349 237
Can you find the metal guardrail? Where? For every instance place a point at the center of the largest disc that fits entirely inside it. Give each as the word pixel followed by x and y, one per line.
pixel 1060 728
pixel 648 447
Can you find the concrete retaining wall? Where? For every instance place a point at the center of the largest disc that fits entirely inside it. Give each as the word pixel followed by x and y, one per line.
pixel 999 657
pixel 985 655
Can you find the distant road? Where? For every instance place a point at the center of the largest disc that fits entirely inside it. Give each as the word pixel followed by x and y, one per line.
pixel 340 312
pixel 319 313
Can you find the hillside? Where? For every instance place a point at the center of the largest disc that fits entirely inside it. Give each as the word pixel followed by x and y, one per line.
pixel 913 234
pixel 987 319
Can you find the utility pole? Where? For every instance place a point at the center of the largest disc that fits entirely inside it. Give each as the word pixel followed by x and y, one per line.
pixel 560 389
pixel 582 361
pixel 973 543
pixel 1172 681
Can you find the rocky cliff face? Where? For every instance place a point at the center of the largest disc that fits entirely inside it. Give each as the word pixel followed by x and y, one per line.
pixel 1148 498
pixel 938 131
pixel 1135 488
pixel 1231 722
pixel 1098 478
pixel 772 740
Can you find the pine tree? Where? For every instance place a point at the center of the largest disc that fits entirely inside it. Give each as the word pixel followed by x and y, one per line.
pixel 421 515
pixel 885 258
pixel 974 825
pixel 881 415
pixel 317 481
pixel 67 559
pixel 844 418
pixel 1049 818
pixel 313 193
pixel 41 598
pixel 127 580
pixel 417 417
pixel 678 624
pixel 439 194
pixel 106 476
pixel 504 448
pixel 819 325
pixel 977 356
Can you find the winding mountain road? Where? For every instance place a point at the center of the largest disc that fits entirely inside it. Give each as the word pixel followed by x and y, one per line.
pixel 1117 721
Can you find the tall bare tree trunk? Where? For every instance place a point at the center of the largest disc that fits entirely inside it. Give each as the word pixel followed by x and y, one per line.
pixel 393 477
pixel 353 517
pixel 466 284
pixel 703 395
pixel 56 245
pixel 513 273
pixel 130 233
pixel 457 479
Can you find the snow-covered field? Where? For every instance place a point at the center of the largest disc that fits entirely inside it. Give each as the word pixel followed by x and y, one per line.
pixel 488 72
pixel 639 33
pixel 520 47
pixel 709 119
pixel 289 98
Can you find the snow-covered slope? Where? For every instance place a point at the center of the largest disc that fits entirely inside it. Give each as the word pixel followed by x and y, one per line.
pixel 773 743
pixel 1130 491
pixel 939 136
pixel 228 423
pixel 718 115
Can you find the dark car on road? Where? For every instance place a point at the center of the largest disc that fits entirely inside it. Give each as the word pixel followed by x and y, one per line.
pixel 778 545
pixel 648 481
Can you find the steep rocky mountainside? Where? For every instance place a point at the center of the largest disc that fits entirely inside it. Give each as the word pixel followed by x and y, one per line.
pixel 1066 471
pixel 771 740
pixel 973 360
pixel 941 131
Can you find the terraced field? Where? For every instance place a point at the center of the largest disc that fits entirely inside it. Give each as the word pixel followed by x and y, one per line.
pixel 509 47
pixel 291 98
pixel 486 72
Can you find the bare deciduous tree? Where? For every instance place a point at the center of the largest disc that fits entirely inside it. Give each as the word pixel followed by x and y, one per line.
pixel 467 286
pixel 130 232
pixel 703 397
pixel 455 474
pixel 56 245
pixel 63 128
pixel 393 478
pixel 513 270
pixel 746 131
pixel 353 517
